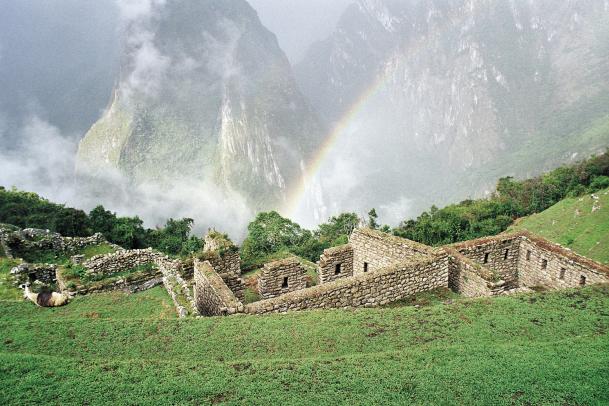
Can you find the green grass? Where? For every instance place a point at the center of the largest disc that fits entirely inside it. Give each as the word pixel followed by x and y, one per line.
pixel 102 249
pixel 545 348
pixel 572 224
pixel 7 290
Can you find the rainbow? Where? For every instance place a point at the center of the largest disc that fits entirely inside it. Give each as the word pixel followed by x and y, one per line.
pixel 312 168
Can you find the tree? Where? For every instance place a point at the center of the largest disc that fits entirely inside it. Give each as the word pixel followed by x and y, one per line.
pixel 270 233
pixel 337 228
pixel 102 221
pixel 372 219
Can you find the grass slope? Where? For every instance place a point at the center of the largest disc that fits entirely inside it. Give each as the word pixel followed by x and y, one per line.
pixel 547 348
pixel 573 224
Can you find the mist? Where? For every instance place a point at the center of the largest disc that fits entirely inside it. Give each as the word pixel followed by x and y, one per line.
pixel 59 63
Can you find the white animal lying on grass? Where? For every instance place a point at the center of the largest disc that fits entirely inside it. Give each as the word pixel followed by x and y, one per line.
pixel 45 299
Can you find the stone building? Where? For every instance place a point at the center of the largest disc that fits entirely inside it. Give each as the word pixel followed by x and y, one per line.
pixel 376 268
pixel 281 277
pixel 336 263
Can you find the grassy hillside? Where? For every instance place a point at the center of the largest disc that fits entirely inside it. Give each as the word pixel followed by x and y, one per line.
pixel 573 223
pixel 548 348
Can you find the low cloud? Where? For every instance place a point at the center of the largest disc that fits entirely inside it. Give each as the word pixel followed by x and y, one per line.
pixel 43 162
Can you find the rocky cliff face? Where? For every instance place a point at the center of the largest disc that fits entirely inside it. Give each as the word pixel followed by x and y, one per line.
pixel 204 93
pixel 452 94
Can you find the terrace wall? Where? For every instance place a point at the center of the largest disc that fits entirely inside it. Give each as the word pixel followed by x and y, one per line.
pixel 370 289
pixel 121 261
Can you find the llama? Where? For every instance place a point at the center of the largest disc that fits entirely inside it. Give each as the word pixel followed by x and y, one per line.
pixel 45 299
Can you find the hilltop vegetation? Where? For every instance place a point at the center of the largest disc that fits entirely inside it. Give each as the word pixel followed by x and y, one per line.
pixel 579 223
pixel 547 348
pixel 512 199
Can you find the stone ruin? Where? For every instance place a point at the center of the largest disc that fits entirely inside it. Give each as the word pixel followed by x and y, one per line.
pixel 373 269
pixel 376 269
pixel 281 277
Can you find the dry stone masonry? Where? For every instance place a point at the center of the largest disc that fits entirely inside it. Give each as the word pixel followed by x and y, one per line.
pixel 212 296
pixel 224 258
pixel 377 269
pixel 373 250
pixel 336 263
pixel 499 254
pixel 523 261
pixel 373 269
pixel 120 261
pixel 370 289
pixel 281 277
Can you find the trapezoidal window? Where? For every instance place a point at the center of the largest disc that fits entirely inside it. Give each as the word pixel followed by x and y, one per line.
pixel 337 269
pixel 284 284
pixel 544 264
pixel 528 255
pixel 506 254
pixel 365 267
pixel 488 254
pixel 561 274
pixel 582 280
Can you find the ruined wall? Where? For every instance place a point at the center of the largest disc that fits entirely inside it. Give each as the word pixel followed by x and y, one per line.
pixel 224 258
pixel 120 261
pixel 228 265
pixel 500 254
pixel 280 277
pixel 370 289
pixel 373 250
pixel 30 273
pixel 543 263
pixel 211 295
pixel 336 263
pixel 471 279
pixel 5 251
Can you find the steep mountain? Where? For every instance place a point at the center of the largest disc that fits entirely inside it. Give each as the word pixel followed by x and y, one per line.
pixel 205 93
pixel 452 94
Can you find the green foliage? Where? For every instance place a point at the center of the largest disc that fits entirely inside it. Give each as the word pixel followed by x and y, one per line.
pixel 472 219
pixel 8 291
pixel 338 228
pixel 508 350
pixel 94 250
pixel 373 219
pixel 270 233
pixel 26 209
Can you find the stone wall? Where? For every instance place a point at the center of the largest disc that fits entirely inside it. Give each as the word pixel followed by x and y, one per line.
pixel 471 279
pixel 336 263
pixel 30 273
pixel 135 282
pixel 500 254
pixel 373 250
pixel 225 260
pixel 370 289
pixel 5 251
pixel 121 261
pixel 211 295
pixel 281 277
pixel 549 265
